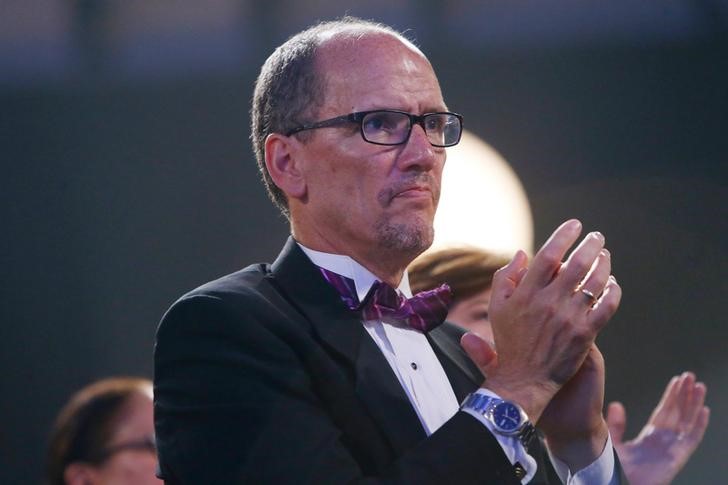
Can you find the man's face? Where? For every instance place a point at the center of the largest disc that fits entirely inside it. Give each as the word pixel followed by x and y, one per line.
pixel 363 198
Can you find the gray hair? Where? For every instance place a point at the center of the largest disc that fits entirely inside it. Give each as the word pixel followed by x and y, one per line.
pixel 288 89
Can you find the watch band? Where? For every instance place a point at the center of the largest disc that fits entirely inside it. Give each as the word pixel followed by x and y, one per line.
pixel 485 405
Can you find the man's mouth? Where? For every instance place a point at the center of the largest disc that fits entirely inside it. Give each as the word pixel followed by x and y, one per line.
pixel 414 192
pixel 420 187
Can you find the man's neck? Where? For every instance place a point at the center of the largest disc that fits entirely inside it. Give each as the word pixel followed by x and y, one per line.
pixel 389 270
pixel 388 264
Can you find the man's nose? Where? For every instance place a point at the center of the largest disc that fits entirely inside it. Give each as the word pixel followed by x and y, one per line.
pixel 418 152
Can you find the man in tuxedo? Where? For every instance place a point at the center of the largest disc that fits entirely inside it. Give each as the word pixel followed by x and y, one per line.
pixel 318 368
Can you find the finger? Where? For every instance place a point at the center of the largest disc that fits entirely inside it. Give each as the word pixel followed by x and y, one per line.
pixel 506 279
pixel 519 276
pixel 671 391
pixel 700 390
pixel 678 412
pixel 686 401
pixel 606 305
pixel 696 405
pixel 673 403
pixel 667 405
pixel 616 421
pixel 548 259
pixel 580 262
pixel 595 281
pixel 478 350
pixel 695 435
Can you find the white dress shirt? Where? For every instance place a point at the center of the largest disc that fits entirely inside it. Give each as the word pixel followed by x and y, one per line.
pixel 423 379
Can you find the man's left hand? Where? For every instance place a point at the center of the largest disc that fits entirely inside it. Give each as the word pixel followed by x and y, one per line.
pixel 575 429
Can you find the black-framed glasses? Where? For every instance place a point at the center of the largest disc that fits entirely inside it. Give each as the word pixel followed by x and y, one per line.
pixel 146 443
pixel 393 127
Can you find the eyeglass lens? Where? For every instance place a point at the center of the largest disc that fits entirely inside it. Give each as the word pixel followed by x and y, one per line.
pixel 393 128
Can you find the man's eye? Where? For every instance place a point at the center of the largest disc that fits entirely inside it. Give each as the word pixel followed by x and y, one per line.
pixel 374 123
pixel 381 122
pixel 434 123
pixel 386 122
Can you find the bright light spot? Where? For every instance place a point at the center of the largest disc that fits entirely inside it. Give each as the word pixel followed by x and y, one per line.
pixel 482 202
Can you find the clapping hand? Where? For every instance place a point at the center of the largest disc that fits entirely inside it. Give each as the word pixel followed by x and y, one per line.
pixel 670 436
pixel 545 317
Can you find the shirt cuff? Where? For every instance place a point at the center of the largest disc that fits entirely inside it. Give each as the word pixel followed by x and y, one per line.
pixel 599 472
pixel 512 446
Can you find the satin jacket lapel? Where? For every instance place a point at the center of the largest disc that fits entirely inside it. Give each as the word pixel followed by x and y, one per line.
pixel 342 332
pixel 464 376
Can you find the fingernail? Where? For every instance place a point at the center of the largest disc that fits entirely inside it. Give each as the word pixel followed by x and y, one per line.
pixel 575 225
pixel 598 235
pixel 606 253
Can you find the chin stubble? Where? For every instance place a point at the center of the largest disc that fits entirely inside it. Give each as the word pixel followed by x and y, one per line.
pixel 413 237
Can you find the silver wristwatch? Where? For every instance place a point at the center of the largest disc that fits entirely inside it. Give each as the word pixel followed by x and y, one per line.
pixel 507 417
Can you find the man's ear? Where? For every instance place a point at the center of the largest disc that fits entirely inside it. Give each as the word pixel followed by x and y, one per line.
pixel 79 473
pixel 283 164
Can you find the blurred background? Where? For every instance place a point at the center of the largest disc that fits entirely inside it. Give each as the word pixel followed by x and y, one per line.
pixel 128 179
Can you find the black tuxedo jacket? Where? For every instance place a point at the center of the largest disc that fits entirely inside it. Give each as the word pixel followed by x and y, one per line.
pixel 264 376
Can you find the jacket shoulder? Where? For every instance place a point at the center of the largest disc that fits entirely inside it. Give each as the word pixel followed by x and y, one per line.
pixel 243 281
pixel 230 302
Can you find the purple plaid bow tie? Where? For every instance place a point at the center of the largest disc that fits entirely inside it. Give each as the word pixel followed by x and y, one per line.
pixel 424 311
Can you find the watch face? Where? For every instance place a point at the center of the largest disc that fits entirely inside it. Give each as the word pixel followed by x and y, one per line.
pixel 507 417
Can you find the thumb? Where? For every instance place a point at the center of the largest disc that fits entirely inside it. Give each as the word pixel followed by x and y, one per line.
pixel 616 421
pixel 479 351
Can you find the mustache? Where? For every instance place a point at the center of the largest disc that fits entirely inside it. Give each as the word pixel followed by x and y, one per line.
pixel 415 180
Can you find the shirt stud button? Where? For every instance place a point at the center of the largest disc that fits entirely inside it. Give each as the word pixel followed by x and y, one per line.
pixel 414 365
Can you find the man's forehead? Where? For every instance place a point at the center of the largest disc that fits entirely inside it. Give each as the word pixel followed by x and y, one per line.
pixel 372 69
pixel 355 45
pixel 350 59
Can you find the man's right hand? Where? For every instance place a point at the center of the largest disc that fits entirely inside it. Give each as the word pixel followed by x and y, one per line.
pixel 543 324
pixel 545 318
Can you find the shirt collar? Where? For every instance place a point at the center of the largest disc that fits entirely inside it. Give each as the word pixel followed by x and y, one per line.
pixel 346 266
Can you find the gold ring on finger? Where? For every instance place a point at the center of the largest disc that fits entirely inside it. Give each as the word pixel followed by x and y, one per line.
pixel 592 297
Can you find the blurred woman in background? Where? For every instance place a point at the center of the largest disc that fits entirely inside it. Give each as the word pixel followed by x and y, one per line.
pixel 105 435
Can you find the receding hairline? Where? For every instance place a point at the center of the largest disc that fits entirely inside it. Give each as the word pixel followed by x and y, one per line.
pixel 345 43
pixel 355 32
pixel 342 46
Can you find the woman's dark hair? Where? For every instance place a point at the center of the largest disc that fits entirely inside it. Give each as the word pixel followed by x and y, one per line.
pixel 86 424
